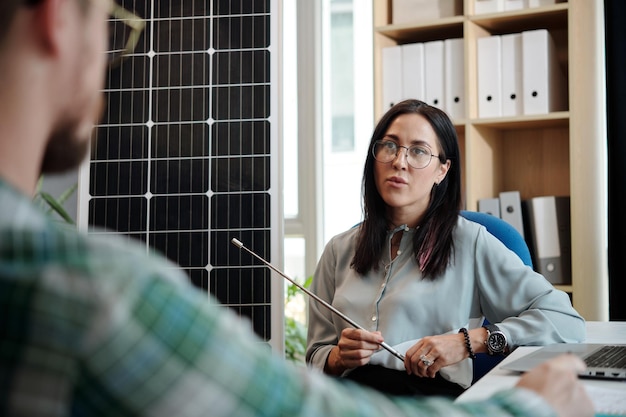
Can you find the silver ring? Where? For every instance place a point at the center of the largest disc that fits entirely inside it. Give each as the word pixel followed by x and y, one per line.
pixel 427 362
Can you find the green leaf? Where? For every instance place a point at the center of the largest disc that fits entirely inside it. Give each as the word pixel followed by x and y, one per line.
pixel 58 208
pixel 67 194
pixel 295 331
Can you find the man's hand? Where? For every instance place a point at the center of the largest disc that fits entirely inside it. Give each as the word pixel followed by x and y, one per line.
pixel 557 382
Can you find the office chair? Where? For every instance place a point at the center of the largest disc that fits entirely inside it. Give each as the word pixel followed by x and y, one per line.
pixel 513 240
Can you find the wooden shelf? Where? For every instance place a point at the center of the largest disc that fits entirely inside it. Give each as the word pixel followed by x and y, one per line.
pixel 560 153
pixel 565 288
pixel 547 17
pixel 551 120
pixel 451 27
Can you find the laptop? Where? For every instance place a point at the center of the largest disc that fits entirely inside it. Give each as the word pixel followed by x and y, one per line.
pixel 604 361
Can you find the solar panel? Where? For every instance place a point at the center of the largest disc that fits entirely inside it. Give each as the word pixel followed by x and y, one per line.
pixel 185 157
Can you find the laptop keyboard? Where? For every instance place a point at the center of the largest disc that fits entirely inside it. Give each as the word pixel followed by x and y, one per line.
pixel 608 357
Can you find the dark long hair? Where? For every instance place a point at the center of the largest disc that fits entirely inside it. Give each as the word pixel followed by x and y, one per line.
pixel 432 244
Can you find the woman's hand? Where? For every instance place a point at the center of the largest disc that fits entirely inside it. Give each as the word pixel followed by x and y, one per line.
pixel 431 353
pixel 355 348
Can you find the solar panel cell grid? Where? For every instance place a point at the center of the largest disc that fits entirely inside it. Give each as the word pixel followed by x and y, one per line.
pixel 182 157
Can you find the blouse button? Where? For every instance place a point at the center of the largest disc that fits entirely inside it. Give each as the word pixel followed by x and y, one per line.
pixel 373 318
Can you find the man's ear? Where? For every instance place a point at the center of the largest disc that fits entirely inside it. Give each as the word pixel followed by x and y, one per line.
pixel 50 18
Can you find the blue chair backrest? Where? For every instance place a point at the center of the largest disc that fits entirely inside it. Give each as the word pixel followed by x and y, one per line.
pixel 513 240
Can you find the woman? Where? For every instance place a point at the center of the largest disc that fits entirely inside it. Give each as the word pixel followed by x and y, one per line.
pixel 420 277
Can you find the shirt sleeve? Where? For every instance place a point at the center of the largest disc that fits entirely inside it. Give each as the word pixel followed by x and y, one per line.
pixel 162 348
pixel 321 332
pixel 526 307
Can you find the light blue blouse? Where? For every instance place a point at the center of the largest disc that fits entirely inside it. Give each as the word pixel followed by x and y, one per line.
pixel 484 279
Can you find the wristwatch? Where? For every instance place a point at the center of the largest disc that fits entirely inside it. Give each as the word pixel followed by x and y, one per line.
pixel 496 340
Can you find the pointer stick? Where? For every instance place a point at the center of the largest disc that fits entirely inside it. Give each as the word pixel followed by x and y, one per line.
pixel 318 299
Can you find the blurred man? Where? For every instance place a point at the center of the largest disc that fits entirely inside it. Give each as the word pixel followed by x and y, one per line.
pixel 90 326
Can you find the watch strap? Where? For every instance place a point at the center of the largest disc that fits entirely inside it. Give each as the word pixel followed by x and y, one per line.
pixel 492 328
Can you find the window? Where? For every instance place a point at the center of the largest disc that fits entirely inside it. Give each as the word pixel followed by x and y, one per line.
pixel 328 44
pixel 348 110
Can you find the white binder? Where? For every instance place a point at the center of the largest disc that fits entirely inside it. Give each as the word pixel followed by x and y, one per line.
pixel 489 76
pixel 391 76
pixel 411 11
pixel 413 71
pixel 544 83
pixel 489 206
pixel 487 6
pixel 540 3
pixel 512 88
pixel 514 5
pixel 454 83
pixel 511 210
pixel 434 80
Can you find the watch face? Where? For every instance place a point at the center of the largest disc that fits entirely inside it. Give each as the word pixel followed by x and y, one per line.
pixel 496 342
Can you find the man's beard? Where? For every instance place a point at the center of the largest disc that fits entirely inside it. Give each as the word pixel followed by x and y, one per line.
pixel 64 152
pixel 68 146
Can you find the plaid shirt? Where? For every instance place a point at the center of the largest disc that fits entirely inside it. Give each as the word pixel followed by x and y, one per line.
pixel 97 327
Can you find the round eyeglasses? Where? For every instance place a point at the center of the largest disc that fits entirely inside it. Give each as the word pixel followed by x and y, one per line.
pixel 417 156
pixel 125 29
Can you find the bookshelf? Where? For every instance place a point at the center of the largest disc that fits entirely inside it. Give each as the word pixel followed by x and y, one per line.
pixel 559 153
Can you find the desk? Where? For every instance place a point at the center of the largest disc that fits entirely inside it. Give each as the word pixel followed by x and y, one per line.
pixel 597 332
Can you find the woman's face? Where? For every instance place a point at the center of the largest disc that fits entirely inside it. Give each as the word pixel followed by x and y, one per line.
pixel 406 190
